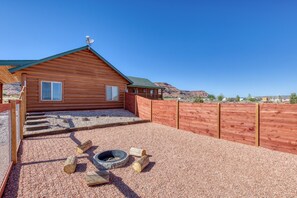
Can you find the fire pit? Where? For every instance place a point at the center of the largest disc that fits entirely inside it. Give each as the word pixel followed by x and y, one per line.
pixel 110 159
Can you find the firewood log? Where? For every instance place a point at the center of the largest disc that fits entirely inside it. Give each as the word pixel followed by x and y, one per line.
pixel 97 177
pixel 70 165
pixel 137 152
pixel 85 146
pixel 140 164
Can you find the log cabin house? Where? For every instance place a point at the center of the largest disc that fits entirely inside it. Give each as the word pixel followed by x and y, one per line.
pixel 145 88
pixel 73 80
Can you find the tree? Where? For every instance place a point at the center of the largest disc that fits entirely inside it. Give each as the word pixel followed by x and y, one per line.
pixel 231 99
pixel 293 98
pixel 280 98
pixel 237 98
pixel 250 98
pixel 211 97
pixel 220 97
pixel 198 100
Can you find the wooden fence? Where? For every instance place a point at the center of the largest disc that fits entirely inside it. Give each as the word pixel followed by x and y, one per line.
pixel 12 118
pixel 272 126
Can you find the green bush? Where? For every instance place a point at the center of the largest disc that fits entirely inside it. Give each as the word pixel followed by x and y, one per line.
pixel 293 98
pixel 198 100
pixel 220 97
pixel 211 97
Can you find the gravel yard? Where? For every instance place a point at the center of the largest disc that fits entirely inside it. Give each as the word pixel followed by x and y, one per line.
pixel 72 119
pixel 4 144
pixel 183 164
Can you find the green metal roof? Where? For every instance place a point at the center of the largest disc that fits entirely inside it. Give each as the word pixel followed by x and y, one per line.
pixel 29 64
pixel 15 62
pixel 142 83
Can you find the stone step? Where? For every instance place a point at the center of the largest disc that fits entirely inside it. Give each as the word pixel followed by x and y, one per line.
pixel 35 117
pixel 37 127
pixel 35 122
pixel 35 114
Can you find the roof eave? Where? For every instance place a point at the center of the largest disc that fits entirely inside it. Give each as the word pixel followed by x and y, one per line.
pixel 141 86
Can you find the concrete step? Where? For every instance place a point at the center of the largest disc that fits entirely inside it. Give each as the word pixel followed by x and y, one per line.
pixel 39 117
pixel 35 122
pixel 35 114
pixel 37 127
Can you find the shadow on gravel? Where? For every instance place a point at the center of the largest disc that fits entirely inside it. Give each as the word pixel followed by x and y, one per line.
pixel 81 167
pixel 122 187
pixel 149 167
pixel 12 186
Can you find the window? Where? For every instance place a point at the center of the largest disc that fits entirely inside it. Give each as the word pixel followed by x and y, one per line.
pixel 112 93
pixel 135 90
pixel 152 92
pixel 51 91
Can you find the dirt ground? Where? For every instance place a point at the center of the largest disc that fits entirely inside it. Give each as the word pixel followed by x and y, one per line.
pixel 183 164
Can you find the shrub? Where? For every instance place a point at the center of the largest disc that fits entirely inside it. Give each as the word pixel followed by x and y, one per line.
pixel 220 97
pixel 211 97
pixel 198 100
pixel 293 98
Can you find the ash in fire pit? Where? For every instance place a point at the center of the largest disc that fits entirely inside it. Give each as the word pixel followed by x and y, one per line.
pixel 110 159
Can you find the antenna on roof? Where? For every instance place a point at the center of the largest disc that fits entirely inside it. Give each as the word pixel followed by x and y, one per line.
pixel 89 41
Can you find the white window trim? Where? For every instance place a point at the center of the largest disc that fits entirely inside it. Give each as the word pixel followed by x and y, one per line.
pixel 52 92
pixel 111 93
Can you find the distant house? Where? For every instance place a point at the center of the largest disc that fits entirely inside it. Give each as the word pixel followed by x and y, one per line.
pixel 72 80
pixel 145 88
pixel 265 99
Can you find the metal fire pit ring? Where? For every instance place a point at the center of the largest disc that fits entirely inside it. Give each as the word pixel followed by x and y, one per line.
pixel 110 159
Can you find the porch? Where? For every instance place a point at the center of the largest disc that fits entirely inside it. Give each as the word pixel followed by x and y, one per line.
pixel 5 78
pixel 45 123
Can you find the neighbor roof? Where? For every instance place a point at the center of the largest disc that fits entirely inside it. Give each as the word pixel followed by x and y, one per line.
pixel 142 83
pixel 15 62
pixel 29 64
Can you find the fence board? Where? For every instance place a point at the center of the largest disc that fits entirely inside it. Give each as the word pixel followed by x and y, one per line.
pixel 278 128
pixel 130 102
pixel 164 112
pixel 238 122
pixel 144 108
pixel 198 118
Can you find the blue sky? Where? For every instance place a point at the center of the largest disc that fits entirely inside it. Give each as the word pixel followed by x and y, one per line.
pixel 229 47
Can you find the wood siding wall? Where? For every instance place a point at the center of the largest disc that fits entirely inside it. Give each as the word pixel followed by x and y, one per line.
pixel 84 77
pixel 144 92
pixel 272 126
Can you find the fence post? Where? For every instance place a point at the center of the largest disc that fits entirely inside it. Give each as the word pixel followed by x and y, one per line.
pixel 219 120
pixel 135 108
pixel 13 131
pixel 151 110
pixel 124 100
pixel 22 118
pixel 177 114
pixel 257 128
